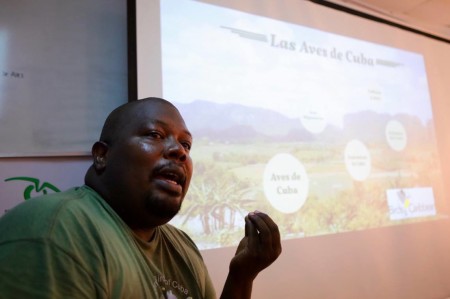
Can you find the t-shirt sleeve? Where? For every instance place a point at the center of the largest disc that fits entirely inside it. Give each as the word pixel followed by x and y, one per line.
pixel 40 269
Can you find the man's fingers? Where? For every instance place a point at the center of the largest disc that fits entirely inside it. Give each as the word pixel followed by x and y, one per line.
pixel 259 248
pixel 247 228
pixel 251 231
pixel 269 233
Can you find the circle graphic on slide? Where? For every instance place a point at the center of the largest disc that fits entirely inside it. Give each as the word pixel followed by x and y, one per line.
pixel 313 118
pixel 396 135
pixel 357 160
pixel 286 183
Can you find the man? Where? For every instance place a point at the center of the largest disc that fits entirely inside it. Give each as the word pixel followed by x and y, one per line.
pixel 110 238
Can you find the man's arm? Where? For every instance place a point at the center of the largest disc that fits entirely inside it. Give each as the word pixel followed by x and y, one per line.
pixel 259 248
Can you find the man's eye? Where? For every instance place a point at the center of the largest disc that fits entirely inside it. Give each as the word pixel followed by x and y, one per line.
pixel 186 145
pixel 155 134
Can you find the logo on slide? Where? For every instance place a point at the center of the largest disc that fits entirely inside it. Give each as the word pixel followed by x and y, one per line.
pixel 404 198
pixel 410 203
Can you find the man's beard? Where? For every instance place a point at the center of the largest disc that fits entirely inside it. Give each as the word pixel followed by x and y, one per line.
pixel 162 208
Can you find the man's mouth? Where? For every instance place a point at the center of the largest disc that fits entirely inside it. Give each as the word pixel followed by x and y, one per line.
pixel 173 178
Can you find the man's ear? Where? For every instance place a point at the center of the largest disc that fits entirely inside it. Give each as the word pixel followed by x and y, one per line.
pixel 100 153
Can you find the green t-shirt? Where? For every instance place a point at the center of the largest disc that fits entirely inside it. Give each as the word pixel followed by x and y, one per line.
pixel 73 245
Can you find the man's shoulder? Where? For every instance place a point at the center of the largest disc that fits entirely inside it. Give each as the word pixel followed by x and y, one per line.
pixel 39 216
pixel 178 237
pixel 47 204
pixel 169 229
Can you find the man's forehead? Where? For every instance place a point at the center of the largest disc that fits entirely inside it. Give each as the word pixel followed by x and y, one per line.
pixel 164 115
pixel 152 110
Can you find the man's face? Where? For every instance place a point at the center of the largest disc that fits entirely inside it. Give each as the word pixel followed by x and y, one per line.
pixel 148 166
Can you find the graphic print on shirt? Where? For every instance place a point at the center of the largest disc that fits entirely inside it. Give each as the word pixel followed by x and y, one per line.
pixel 171 289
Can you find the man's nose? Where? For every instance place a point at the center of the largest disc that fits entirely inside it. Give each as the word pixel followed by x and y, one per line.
pixel 175 150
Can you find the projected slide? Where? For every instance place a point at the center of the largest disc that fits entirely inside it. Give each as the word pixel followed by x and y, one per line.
pixel 326 133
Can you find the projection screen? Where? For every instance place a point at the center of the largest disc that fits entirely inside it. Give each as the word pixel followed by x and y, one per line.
pixel 332 124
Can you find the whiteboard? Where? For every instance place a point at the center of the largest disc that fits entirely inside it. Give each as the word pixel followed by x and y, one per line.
pixel 63 69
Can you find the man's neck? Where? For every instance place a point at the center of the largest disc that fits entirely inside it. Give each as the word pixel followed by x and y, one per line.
pixel 145 235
